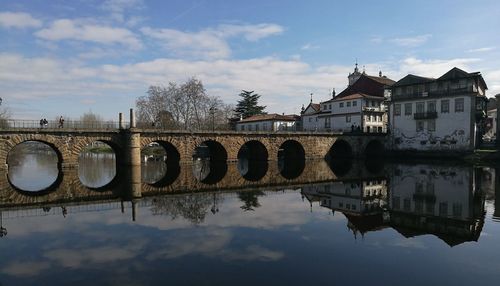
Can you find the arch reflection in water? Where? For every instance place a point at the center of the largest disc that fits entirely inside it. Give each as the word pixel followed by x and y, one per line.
pixel 33 167
pixel 340 149
pixel 97 165
pixel 252 161
pixel 340 166
pixel 208 171
pixel 160 164
pixel 209 162
pixel 291 159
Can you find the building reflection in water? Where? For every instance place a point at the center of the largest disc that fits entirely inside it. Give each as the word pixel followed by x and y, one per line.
pixel 445 201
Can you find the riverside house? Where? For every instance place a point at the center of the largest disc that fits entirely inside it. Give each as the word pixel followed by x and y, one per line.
pixel 447 113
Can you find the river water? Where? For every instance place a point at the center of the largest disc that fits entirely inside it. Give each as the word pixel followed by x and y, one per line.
pixel 383 224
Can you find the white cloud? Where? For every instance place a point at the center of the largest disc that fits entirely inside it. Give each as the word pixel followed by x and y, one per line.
pixel 76 258
pixel 411 41
pixel 284 84
pixel 209 43
pixel 18 20
pixel 309 46
pixel 249 32
pixel 376 40
pixel 26 268
pixel 434 68
pixel 481 50
pixel 203 44
pixel 66 29
pixel 117 8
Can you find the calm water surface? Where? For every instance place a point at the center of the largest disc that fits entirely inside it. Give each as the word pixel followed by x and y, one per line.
pixel 410 224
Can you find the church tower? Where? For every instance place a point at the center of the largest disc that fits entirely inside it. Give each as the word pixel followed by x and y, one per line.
pixel 353 77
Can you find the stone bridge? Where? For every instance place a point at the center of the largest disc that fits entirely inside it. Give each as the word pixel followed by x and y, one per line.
pixel 180 146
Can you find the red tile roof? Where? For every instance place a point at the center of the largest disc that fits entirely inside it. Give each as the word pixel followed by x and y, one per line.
pixel 268 117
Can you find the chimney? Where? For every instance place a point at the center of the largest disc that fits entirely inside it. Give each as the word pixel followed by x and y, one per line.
pixel 380 73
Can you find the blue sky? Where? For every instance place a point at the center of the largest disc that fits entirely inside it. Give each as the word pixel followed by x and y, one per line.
pixel 71 57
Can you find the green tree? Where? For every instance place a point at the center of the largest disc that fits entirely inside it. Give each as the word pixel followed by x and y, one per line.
pixel 248 104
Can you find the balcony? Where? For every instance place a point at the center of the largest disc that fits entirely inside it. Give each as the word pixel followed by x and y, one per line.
pixel 425 115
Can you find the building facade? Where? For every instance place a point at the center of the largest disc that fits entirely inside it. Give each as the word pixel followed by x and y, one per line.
pixel 309 117
pixel 358 108
pixel 446 113
pixel 269 122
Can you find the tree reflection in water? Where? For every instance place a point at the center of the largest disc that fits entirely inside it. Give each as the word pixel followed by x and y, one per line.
pixel 251 199
pixel 192 207
pixel 96 169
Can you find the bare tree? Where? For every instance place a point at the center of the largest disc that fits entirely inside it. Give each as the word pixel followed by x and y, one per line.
pixel 185 106
pixel 4 115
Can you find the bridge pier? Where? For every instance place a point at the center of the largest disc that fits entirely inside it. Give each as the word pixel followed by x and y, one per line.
pixel 131 161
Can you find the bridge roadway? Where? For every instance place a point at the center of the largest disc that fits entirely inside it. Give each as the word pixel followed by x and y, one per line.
pixel 127 184
pixel 180 146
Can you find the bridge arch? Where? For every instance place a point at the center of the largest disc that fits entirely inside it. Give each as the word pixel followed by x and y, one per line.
pixel 210 149
pixel 291 150
pixel 170 162
pixel 252 160
pixel 97 167
pixel 291 159
pixel 340 149
pixel 17 140
pixel 374 149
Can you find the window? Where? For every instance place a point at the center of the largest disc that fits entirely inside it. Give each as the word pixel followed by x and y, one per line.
pixel 347 118
pixel 327 122
pixel 341 104
pixel 354 103
pixel 397 109
pixel 249 127
pixel 408 108
pixel 420 125
pixel 431 106
pixel 420 107
pixel 373 103
pixel 348 104
pixel 443 209
pixel 459 105
pixel 242 127
pixel 329 106
pixel 310 119
pixel 324 107
pixel 256 127
pixel 264 126
pixel 445 106
pixel 431 125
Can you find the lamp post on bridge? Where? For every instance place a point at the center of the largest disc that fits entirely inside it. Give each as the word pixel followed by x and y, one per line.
pixel 212 111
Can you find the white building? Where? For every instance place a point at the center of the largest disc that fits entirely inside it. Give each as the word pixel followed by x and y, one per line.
pixel 491 126
pixel 437 114
pixel 360 107
pixel 361 112
pixel 309 117
pixel 268 122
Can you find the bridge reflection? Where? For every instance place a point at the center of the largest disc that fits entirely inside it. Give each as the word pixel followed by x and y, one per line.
pixel 446 201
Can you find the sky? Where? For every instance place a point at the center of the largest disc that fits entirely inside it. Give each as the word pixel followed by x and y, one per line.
pixel 72 57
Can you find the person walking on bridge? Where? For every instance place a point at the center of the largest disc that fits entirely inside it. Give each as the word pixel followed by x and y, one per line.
pixel 61 122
